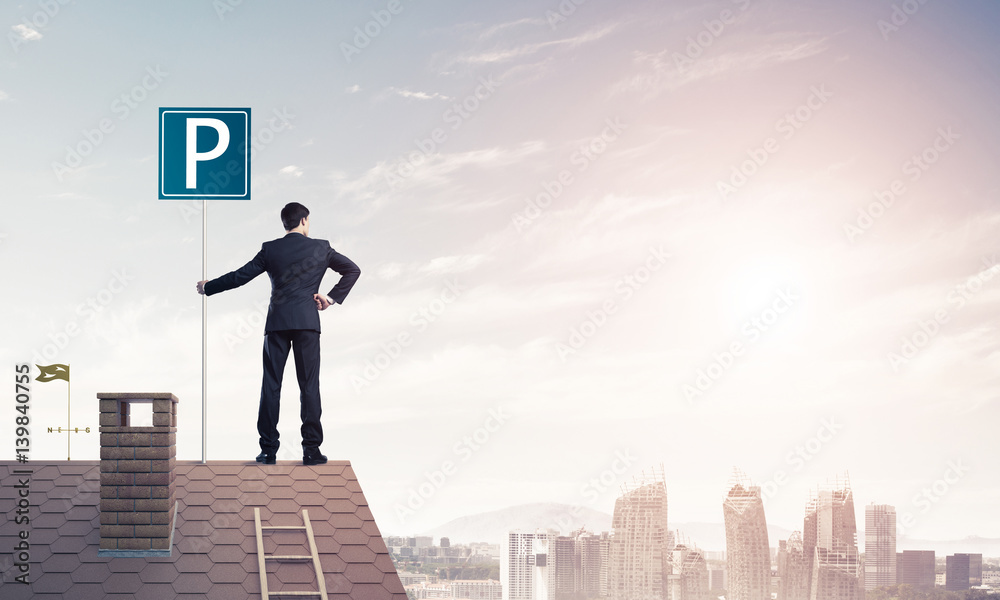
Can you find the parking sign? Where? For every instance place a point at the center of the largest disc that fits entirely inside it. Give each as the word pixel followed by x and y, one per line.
pixel 204 153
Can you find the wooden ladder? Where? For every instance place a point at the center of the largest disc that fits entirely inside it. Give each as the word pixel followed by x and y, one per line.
pixel 313 556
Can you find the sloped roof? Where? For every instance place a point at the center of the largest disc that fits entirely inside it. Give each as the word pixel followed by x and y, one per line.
pixel 215 547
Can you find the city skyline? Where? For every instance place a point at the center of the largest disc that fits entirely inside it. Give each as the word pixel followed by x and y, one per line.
pixel 743 504
pixel 593 237
pixel 565 522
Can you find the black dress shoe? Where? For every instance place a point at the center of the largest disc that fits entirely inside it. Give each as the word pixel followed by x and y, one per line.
pixel 267 459
pixel 314 459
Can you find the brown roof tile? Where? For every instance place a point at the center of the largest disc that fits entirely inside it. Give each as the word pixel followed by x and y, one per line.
pixel 227 536
pixel 230 591
pixel 350 536
pixel 71 544
pixel 193 563
pixel 363 573
pixel 254 499
pixel 284 505
pixel 156 590
pixel 306 485
pixel 252 485
pixel 283 491
pixel 128 583
pixel 62 563
pixel 195 528
pixel 295 572
pixel 228 492
pixel 192 583
pixel 341 505
pixel 214 554
pixel 227 554
pixel 227 573
pixel 356 554
pixel 91 573
pixel 341 520
pixel 53 583
pixel 198 499
pixel 310 499
pixel 158 572
pixel 196 485
pixel 338 492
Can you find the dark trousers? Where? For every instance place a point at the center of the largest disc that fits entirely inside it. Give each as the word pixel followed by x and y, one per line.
pixel 305 343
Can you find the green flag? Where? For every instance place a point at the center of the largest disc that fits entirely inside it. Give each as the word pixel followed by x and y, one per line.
pixel 53 372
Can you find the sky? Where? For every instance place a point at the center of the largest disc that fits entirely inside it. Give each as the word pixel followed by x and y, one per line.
pixel 595 238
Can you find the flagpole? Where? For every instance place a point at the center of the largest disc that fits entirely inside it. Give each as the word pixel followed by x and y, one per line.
pixel 204 331
pixel 68 417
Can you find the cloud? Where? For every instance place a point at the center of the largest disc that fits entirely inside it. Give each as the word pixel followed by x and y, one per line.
pixel 451 264
pixel 26 32
pixel 442 265
pixel 354 89
pixel 389 271
pixel 373 187
pixel 509 54
pixel 291 170
pixel 671 69
pixel 405 93
pixel 495 29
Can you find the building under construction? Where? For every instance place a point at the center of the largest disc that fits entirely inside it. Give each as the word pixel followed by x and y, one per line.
pixel 748 556
pixel 639 551
pixel 830 540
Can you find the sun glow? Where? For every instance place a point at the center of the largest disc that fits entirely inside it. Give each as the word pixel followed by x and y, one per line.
pixel 756 284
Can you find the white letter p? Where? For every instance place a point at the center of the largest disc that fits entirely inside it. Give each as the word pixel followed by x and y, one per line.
pixel 193 156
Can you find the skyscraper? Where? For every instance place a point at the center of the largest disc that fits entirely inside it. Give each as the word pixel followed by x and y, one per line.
pixel 637 569
pixel 963 571
pixel 566 561
pixel 916 568
pixel 793 569
pixel 880 546
pixel 525 568
pixel 830 538
pixel 748 557
pixel 594 551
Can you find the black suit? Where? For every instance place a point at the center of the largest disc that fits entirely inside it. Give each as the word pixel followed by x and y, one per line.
pixel 296 265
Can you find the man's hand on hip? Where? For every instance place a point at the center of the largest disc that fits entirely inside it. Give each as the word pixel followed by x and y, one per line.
pixel 322 302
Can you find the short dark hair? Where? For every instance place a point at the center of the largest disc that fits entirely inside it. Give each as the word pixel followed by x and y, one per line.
pixel 292 215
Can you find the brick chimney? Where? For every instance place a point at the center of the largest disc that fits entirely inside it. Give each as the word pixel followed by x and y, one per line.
pixel 138 507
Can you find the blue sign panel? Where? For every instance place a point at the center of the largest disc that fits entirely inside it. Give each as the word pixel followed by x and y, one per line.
pixel 204 153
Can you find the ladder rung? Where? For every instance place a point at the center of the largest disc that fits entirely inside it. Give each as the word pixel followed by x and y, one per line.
pixel 287 557
pixel 294 593
pixel 285 527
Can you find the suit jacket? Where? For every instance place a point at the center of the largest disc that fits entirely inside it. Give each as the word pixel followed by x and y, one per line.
pixel 296 265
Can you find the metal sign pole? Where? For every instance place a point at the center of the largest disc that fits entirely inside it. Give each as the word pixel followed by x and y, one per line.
pixel 204 332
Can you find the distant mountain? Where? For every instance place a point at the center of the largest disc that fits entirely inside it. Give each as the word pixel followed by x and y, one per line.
pixel 493 527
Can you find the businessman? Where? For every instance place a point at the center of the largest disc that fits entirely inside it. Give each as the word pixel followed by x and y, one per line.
pixel 296 265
